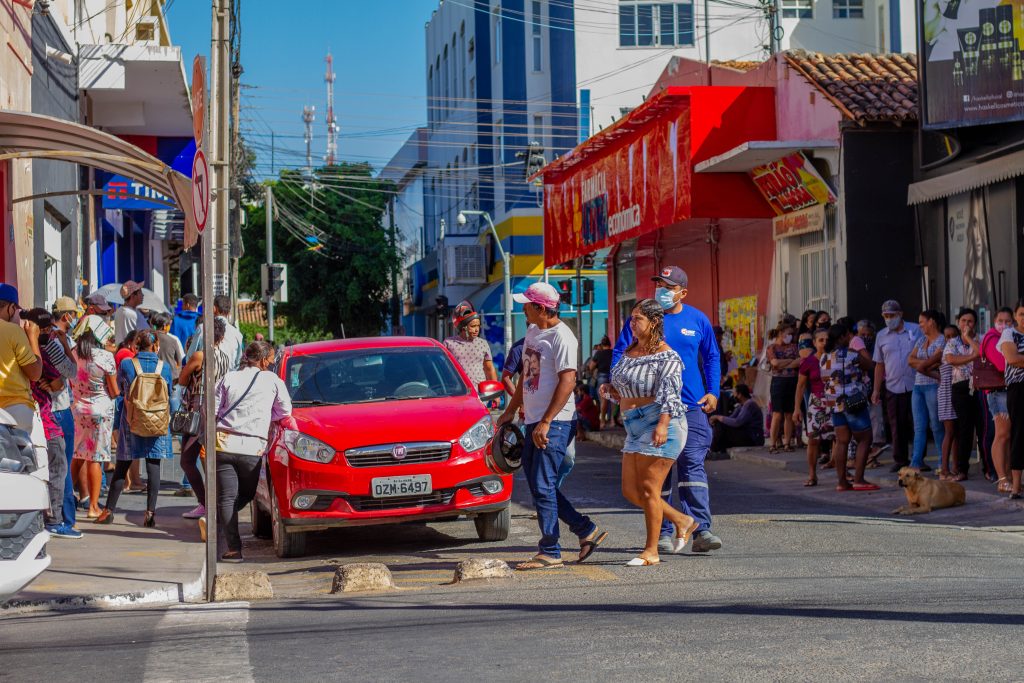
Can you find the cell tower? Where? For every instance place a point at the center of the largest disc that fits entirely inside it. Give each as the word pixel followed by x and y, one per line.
pixel 307 118
pixel 332 123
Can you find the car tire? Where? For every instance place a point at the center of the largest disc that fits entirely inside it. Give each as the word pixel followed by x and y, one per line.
pixel 493 526
pixel 285 544
pixel 261 523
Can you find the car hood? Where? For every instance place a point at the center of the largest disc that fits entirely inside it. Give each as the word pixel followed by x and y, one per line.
pixel 369 424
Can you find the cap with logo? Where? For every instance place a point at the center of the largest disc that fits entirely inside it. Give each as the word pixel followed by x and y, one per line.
pixel 9 293
pixel 892 306
pixel 674 276
pixel 64 304
pixel 540 293
pixel 99 301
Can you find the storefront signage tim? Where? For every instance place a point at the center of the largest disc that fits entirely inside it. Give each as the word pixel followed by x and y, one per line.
pixel 791 184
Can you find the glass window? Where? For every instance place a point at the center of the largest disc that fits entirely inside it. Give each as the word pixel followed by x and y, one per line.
pixel 847 9
pixel 627 25
pixel 797 9
pixel 684 13
pixel 371 375
pixel 647 24
pixel 538 129
pixel 535 32
pixel 497 35
pixel 666 25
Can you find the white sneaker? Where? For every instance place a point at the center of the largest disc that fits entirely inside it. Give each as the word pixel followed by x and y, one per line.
pixel 199 511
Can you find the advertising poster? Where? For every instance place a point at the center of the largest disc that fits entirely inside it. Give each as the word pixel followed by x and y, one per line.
pixel 971 62
pixel 738 318
pixel 791 184
pixel 634 187
pixel 970 282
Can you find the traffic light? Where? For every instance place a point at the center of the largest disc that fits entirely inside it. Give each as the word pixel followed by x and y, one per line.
pixel 565 291
pixel 274 280
pixel 533 159
pixel 588 292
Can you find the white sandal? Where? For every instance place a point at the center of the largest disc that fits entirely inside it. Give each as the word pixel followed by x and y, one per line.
pixel 642 562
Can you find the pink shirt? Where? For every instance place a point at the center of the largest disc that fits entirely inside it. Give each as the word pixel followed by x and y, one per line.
pixel 990 349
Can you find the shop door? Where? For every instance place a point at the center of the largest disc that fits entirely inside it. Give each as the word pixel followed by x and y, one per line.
pixel 816 272
pixel 52 259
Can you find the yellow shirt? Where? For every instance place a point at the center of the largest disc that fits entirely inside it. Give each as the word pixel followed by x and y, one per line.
pixel 14 353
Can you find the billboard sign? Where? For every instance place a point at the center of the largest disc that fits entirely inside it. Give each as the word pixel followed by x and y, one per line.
pixel 791 184
pixel 970 61
pixel 124 193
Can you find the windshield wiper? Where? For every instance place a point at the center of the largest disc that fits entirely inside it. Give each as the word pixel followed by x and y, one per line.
pixel 314 402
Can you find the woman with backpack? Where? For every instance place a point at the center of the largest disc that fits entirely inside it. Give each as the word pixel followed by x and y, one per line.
pixel 248 400
pixel 145 383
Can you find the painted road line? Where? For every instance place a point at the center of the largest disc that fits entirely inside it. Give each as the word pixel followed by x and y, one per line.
pixel 201 643
pixel 593 572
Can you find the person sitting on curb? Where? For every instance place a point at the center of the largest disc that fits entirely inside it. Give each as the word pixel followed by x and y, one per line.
pixel 745 427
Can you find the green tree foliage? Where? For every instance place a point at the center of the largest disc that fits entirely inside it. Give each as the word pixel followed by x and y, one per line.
pixel 342 278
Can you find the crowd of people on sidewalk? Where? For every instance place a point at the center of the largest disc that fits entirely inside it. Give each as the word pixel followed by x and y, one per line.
pixel 101 391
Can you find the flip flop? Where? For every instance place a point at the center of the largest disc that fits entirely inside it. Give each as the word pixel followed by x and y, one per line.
pixel 540 562
pixel 679 542
pixel 642 562
pixel 811 482
pixel 587 548
pixel 866 487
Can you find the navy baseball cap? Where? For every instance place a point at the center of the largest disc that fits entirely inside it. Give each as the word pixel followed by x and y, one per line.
pixel 673 275
pixel 9 293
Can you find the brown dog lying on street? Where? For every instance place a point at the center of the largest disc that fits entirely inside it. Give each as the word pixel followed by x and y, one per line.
pixel 925 495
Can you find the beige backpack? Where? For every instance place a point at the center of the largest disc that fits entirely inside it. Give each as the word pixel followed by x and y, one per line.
pixel 148 404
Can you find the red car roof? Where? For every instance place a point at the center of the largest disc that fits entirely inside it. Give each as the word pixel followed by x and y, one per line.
pixel 359 343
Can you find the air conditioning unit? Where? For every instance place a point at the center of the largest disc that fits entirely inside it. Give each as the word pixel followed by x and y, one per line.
pixel 465 264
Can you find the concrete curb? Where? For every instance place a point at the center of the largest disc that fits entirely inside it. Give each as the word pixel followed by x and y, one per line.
pixel 248 585
pixel 362 576
pixel 193 591
pixel 752 456
pixel 476 569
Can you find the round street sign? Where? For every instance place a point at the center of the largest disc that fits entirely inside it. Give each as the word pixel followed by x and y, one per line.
pixel 200 190
pixel 198 99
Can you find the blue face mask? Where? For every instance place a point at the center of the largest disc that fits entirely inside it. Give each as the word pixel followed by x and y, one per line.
pixel 665 296
pixel 894 322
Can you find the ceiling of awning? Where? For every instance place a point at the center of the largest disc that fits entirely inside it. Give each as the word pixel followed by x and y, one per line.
pixel 26 135
pixel 750 155
pixel 967 179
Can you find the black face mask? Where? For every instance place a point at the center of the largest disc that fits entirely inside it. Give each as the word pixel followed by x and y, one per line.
pixel 44 339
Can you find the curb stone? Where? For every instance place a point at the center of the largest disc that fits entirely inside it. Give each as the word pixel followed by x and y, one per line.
pixel 475 569
pixel 362 576
pixel 248 585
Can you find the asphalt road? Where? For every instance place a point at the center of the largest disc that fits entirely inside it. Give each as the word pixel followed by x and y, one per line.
pixel 811 585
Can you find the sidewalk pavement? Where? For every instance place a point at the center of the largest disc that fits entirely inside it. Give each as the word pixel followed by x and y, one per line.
pixel 124 563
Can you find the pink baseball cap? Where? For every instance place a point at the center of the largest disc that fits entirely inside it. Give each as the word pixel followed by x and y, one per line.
pixel 540 293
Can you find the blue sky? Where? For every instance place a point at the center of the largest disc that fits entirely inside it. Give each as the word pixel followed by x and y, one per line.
pixel 378 48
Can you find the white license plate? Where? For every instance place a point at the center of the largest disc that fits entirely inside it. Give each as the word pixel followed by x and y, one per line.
pixel 395 487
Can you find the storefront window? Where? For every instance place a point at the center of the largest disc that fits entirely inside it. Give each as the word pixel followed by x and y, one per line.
pixel 625 279
pixel 817 255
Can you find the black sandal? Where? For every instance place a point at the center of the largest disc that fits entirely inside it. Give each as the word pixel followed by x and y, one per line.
pixel 587 547
pixel 232 556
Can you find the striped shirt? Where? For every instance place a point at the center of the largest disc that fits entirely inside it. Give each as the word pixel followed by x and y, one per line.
pixel 659 375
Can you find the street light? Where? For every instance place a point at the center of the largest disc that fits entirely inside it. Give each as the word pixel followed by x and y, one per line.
pixel 508 271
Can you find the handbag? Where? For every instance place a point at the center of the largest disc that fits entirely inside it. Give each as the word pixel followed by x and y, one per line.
pixel 187 418
pixel 224 436
pixel 987 376
pixel 854 402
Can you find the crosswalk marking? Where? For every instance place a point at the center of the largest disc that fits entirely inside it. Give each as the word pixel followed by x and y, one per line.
pixel 201 643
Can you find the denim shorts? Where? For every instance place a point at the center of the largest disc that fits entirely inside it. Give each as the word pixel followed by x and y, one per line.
pixel 997 403
pixel 640 424
pixel 857 422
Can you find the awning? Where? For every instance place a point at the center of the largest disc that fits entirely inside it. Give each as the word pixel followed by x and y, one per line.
pixel 638 175
pixel 750 155
pixel 967 179
pixel 34 136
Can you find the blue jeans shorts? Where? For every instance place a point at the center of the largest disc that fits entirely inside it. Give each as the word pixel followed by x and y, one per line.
pixel 997 403
pixel 640 424
pixel 857 422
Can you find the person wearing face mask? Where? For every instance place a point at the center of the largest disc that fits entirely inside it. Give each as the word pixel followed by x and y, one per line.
pixel 784 358
pixel 20 364
pixel 57 350
pixel 892 347
pixel 471 351
pixel 990 369
pixel 689 333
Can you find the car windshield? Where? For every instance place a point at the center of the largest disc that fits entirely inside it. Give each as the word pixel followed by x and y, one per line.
pixel 371 375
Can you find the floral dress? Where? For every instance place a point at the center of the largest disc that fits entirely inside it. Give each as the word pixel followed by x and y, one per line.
pixel 93 409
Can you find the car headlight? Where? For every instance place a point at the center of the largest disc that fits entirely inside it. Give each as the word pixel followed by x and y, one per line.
pixel 306 447
pixel 477 436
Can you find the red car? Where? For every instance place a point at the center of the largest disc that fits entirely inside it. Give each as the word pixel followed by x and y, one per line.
pixel 390 430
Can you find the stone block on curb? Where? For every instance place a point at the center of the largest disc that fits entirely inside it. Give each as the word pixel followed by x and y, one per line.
pixel 362 576
pixel 251 585
pixel 474 569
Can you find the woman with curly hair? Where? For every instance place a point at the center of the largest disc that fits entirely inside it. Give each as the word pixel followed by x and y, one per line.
pixel 647 381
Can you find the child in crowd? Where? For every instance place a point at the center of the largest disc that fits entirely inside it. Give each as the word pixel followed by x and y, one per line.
pixel 586 410
pixel 946 413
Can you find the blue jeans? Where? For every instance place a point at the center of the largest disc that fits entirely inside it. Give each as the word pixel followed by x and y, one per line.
pixel 693 480
pixel 67 423
pixel 925 405
pixel 542 468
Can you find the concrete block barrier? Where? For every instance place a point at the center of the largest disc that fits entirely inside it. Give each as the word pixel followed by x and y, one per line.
pixel 474 569
pixel 250 585
pixel 362 576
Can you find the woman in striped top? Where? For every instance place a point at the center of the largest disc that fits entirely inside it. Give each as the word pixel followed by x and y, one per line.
pixel 647 381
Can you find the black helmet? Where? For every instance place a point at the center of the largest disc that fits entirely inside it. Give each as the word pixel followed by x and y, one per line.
pixel 504 453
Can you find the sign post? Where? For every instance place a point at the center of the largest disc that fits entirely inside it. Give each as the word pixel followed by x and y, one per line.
pixel 201 213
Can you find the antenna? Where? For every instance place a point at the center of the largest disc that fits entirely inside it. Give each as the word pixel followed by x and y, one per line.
pixel 308 114
pixel 332 123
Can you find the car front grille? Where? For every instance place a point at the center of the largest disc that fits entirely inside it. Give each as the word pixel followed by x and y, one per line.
pixel 383 455
pixel 14 541
pixel 368 504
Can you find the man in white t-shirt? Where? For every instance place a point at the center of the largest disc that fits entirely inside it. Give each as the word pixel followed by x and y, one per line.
pixel 127 318
pixel 545 392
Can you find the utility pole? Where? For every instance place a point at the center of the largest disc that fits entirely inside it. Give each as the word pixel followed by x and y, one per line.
pixel 332 123
pixel 775 30
pixel 308 114
pixel 220 136
pixel 269 208
pixel 395 302
pixel 236 247
pixel 579 312
pixel 707 33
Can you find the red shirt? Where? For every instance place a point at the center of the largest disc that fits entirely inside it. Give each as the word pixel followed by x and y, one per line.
pixel 121 355
pixel 588 409
pixel 811 369
pixel 51 428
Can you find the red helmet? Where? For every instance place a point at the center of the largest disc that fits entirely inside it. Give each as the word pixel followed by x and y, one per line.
pixel 463 315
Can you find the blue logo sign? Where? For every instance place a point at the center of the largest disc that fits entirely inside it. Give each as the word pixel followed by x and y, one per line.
pixel 124 193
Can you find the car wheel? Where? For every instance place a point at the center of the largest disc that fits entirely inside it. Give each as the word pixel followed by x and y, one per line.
pixel 261 524
pixel 493 526
pixel 285 544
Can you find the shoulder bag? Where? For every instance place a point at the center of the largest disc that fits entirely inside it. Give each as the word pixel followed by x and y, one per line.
pixel 224 436
pixel 854 402
pixel 987 376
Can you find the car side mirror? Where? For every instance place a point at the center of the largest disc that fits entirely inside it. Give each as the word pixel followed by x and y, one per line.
pixel 490 390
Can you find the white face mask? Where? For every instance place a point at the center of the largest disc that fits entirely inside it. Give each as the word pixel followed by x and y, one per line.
pixel 1000 326
pixel 787 339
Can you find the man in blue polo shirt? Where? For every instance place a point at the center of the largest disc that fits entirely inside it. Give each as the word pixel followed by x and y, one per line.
pixel 690 334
